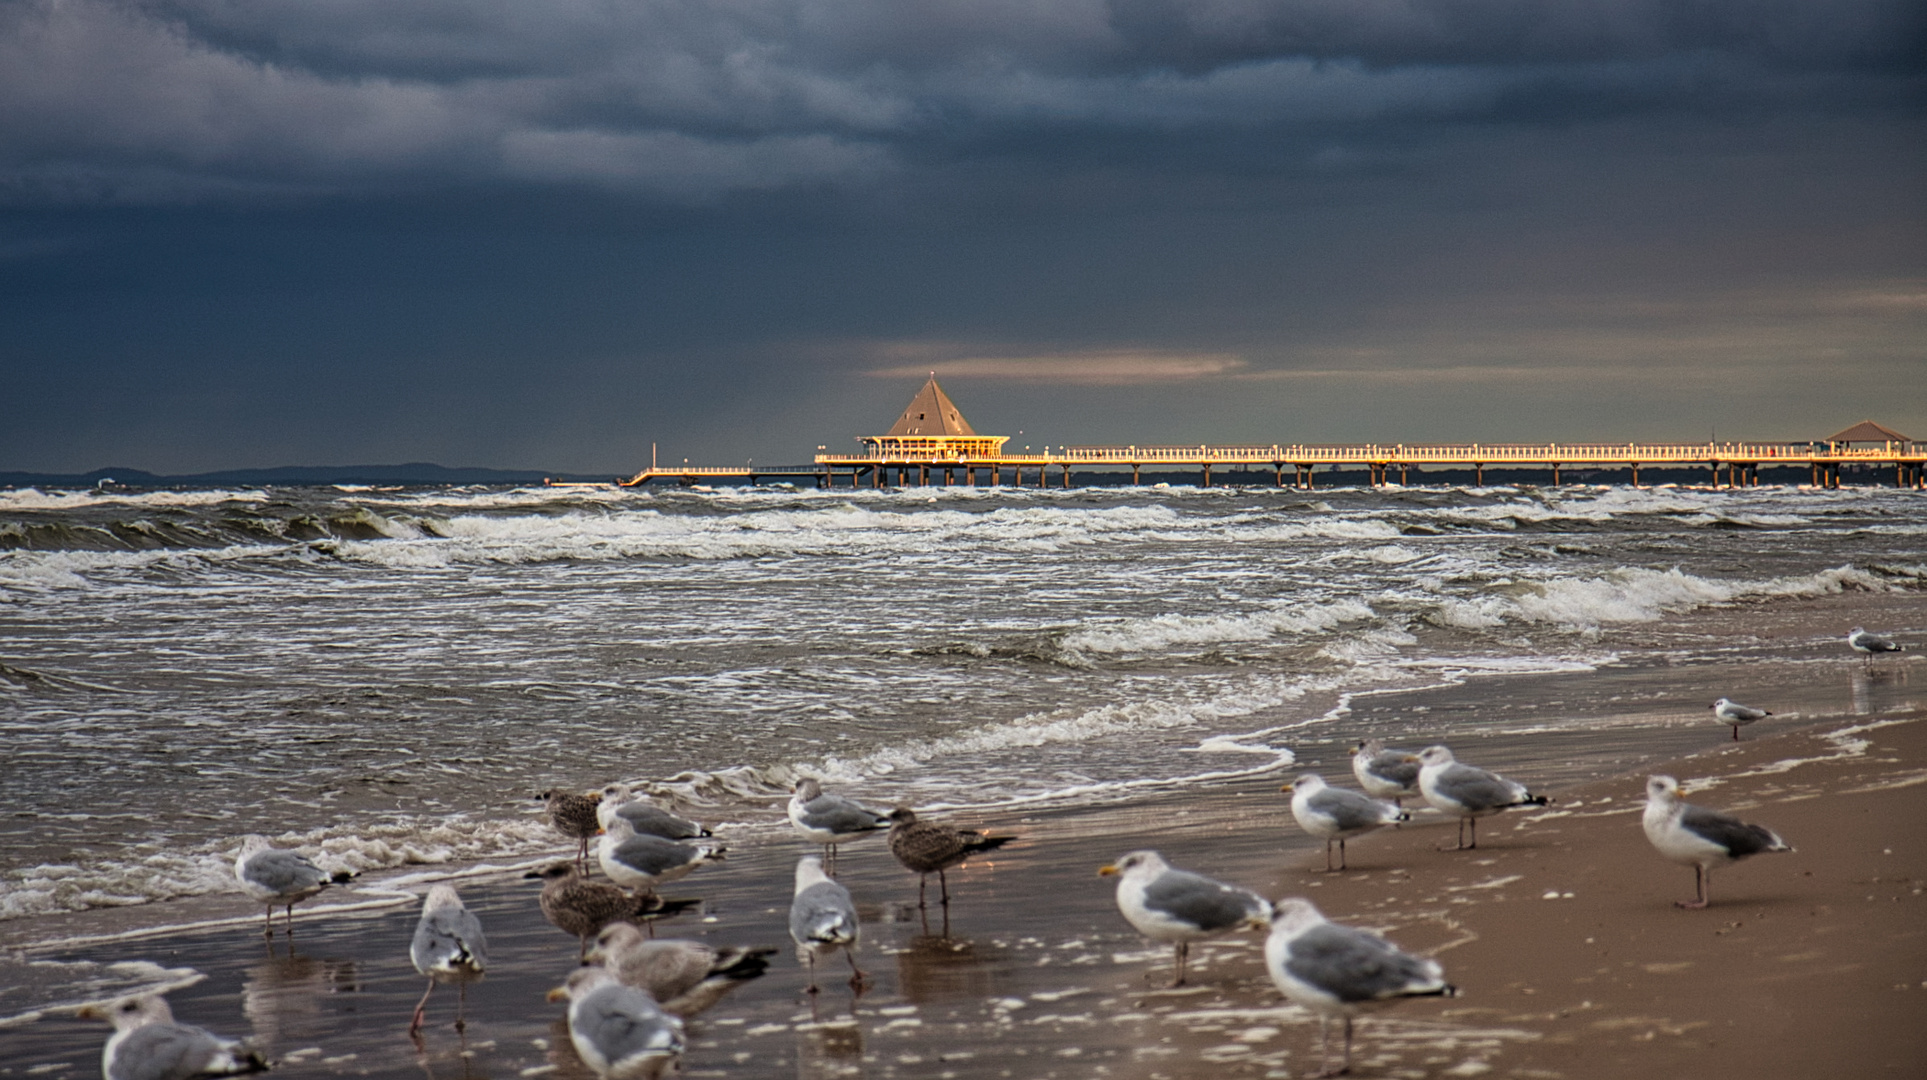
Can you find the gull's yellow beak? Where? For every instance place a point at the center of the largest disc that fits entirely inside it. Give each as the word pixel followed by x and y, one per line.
pixel 602 832
pixel 90 1012
pixel 1107 870
pixel 560 993
pixel 1289 787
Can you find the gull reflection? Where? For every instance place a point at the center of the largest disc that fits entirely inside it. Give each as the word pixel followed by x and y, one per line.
pixel 830 1049
pixel 283 995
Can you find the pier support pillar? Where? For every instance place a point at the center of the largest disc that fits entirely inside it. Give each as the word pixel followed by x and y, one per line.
pixel 1478 474
pixel 1067 478
pixel 1134 471
pixel 996 476
pixel 1635 474
pixel 1207 474
pixel 1555 474
pixel 1278 474
pixel 1402 480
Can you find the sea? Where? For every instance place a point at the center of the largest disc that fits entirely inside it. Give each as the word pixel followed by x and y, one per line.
pixel 386 678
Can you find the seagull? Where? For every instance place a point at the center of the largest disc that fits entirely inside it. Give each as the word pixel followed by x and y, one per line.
pixel 644 816
pixel 686 977
pixel 1867 644
pixel 1335 814
pixel 831 819
pixel 1736 715
pixel 1700 837
pixel 929 847
pixel 619 1031
pixel 1336 970
pixel 1178 906
pixel 1468 793
pixel 448 947
pixel 147 1044
pixel 1385 774
pixel 823 919
pixel 280 878
pixel 575 905
pixel 643 861
pixel 574 816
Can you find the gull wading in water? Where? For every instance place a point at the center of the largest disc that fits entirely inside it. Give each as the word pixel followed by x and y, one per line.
pixel 930 847
pixel 831 819
pixel 685 977
pixel 823 920
pixel 1383 773
pixel 1868 644
pixel 1699 837
pixel 619 1031
pixel 1338 971
pixel 1167 904
pixel 1334 814
pixel 147 1044
pixel 280 878
pixel 1735 715
pixel 448 947
pixel 1468 793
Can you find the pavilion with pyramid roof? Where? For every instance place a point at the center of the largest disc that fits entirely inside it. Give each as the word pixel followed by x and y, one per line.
pixel 931 428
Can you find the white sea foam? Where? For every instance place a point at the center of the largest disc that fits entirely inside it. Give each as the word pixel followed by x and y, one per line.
pixel 1143 635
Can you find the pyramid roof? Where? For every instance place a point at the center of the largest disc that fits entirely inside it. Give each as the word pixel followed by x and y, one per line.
pixel 931 412
pixel 1868 431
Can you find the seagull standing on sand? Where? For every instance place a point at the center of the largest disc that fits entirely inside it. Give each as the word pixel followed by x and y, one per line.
pixel 574 816
pixel 1867 644
pixel 1385 774
pixel 831 819
pixel 929 847
pixel 1736 715
pixel 618 800
pixel 575 905
pixel 147 1044
pixel 280 878
pixel 619 1031
pixel 1335 970
pixel 685 977
pixel 1468 793
pixel 641 861
pixel 1700 837
pixel 1167 904
pixel 823 919
pixel 1335 814
pixel 448 947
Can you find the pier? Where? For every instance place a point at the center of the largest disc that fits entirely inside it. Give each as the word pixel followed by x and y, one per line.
pixel 932 445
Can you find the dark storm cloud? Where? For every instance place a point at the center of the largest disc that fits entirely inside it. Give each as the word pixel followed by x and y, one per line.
pixel 206 99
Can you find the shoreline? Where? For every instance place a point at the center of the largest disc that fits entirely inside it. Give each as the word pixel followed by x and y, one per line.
pixel 1038 975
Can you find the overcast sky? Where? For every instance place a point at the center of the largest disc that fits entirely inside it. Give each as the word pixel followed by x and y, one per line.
pixel 549 233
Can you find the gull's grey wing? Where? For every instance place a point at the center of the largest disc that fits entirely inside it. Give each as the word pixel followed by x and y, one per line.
pixel 1355 966
pixel 1476 789
pixel 1395 767
pixel 653 855
pixel 823 913
pixel 282 871
pixel 655 821
pixel 1200 901
pixel 1736 836
pixel 840 815
pixel 1347 809
pixel 165 1051
pixel 621 1021
pixel 448 936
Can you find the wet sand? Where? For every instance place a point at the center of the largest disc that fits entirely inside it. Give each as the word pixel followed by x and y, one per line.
pixel 1807 964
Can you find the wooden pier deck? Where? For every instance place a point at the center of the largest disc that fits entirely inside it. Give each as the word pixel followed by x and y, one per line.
pixel 1735 464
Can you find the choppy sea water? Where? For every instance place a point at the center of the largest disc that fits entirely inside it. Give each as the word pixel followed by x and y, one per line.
pixel 384 678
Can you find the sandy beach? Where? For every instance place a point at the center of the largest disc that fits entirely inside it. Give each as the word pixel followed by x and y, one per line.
pixel 1559 929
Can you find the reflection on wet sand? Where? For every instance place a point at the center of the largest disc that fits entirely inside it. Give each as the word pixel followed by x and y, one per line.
pixel 934 968
pixel 283 996
pixel 830 1048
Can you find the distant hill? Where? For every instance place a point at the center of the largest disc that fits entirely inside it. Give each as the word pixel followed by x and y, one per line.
pixel 419 472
